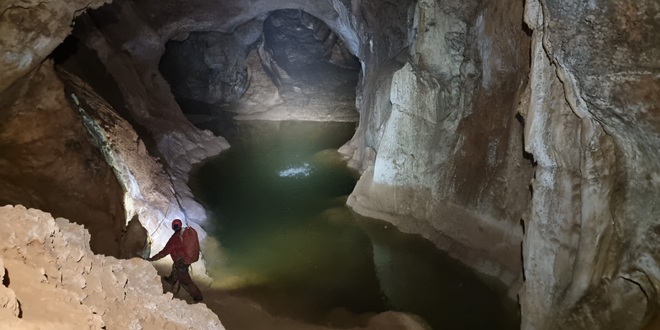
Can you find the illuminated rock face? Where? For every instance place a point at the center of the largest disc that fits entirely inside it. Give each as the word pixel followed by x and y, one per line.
pixel 440 147
pixel 591 251
pixel 483 125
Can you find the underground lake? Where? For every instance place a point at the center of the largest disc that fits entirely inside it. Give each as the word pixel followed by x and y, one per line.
pixel 287 241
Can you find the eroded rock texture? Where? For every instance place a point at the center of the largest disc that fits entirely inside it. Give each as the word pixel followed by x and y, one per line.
pixel 591 252
pixel 47 161
pixel 148 194
pixel 438 140
pixel 210 67
pixel 52 280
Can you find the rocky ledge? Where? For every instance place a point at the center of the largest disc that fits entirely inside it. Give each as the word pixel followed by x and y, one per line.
pixel 52 280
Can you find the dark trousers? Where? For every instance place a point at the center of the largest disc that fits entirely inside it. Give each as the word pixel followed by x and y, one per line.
pixel 181 274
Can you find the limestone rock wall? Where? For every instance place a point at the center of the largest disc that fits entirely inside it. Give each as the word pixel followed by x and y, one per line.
pixel 47 161
pixel 133 65
pixel 30 30
pixel 456 119
pixel 591 251
pixel 439 142
pixel 148 194
pixel 210 67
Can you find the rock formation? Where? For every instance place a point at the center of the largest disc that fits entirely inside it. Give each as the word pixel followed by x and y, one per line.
pixel 46 259
pixel 591 248
pixel 496 129
pixel 48 162
pixel 436 120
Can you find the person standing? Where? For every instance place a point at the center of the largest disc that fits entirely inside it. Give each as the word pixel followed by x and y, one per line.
pixel 183 247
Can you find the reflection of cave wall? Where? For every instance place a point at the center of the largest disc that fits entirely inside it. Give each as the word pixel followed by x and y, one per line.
pixel 438 142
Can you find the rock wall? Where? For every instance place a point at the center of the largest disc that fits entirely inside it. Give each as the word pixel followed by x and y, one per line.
pixel 439 144
pixel 47 161
pixel 446 90
pixel 132 59
pixel 31 30
pixel 210 67
pixel 591 248
pixel 148 195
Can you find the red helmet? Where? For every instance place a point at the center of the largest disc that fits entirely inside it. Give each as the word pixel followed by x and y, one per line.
pixel 177 224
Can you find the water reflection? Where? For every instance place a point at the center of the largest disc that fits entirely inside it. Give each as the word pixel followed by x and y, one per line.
pixel 288 241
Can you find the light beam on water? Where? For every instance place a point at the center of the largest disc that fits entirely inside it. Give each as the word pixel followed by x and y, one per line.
pixel 287 240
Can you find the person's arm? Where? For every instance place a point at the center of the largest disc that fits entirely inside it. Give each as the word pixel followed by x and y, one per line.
pixel 169 247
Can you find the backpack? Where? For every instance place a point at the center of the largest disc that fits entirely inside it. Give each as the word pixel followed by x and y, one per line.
pixel 190 245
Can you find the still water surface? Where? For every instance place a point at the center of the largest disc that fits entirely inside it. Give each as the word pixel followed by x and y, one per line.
pixel 288 241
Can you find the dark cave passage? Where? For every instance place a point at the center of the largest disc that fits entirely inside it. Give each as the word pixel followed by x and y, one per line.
pixel 289 64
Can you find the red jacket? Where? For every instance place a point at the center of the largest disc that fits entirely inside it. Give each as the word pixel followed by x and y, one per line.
pixel 174 247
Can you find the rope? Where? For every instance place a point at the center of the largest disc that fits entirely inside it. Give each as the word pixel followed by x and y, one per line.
pixel 177 197
pixel 160 222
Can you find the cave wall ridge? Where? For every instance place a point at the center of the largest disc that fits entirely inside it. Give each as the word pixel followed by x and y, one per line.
pixel 48 162
pixel 134 67
pixel 590 252
pixel 441 110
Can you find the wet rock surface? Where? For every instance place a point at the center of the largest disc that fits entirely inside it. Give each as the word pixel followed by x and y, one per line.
pixel 451 114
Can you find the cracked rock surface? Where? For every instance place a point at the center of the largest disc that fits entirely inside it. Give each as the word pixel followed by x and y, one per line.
pixel 52 280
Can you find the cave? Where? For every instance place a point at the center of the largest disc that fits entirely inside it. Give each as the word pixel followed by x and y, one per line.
pixel 518 138
pixel 282 65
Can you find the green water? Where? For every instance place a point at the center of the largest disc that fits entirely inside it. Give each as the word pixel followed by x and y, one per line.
pixel 287 240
